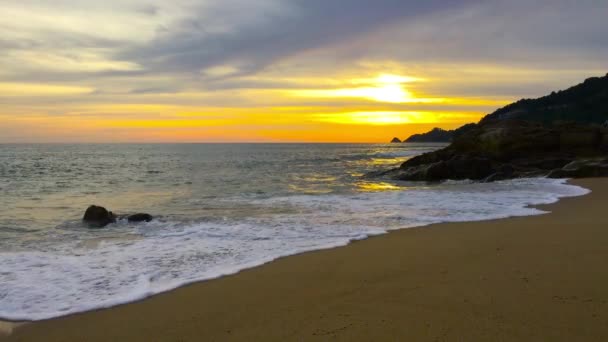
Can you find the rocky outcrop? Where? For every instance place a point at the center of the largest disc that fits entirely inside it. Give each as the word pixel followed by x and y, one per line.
pixel 582 168
pixel 395 140
pixel 98 217
pixel 509 149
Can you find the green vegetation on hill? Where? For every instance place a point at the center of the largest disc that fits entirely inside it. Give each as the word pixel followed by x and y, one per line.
pixel 440 135
pixel 585 103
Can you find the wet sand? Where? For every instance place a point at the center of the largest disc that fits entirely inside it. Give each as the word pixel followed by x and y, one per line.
pixel 539 278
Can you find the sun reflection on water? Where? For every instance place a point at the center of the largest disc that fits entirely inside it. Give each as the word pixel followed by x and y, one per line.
pixel 377 186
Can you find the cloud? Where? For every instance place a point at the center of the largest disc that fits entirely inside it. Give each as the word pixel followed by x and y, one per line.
pixel 252 36
pixel 217 40
pixel 239 54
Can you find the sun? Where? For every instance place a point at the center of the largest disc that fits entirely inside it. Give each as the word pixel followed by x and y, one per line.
pixel 386 88
pixel 391 92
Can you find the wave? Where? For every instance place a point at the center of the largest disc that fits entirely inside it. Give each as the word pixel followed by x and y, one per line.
pixel 75 276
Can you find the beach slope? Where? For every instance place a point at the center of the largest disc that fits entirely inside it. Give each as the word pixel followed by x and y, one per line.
pixel 539 278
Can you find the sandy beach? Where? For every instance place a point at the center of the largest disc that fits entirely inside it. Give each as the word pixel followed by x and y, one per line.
pixel 539 278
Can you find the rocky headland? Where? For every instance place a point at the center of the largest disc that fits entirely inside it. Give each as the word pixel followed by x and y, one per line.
pixel 564 134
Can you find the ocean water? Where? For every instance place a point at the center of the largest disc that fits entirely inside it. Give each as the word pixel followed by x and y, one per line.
pixel 221 208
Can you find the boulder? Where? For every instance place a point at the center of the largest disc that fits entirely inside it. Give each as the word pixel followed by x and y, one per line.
pixel 506 171
pixel 582 168
pixel 457 167
pixel 98 217
pixel 543 162
pixel 141 217
pixel 428 172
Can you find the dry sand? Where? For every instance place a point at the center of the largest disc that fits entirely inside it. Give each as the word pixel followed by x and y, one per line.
pixel 540 278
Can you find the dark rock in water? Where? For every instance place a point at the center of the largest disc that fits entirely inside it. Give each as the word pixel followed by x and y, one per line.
pixel 141 217
pixel 395 140
pixel 98 217
pixel 427 172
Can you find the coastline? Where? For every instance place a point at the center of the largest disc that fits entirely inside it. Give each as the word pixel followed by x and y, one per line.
pixel 509 279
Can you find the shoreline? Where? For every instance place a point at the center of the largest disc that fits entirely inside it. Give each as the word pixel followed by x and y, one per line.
pixel 310 267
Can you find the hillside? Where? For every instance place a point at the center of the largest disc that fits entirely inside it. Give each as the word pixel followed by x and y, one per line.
pixel 586 102
pixel 435 135
pixel 561 135
pixel 440 135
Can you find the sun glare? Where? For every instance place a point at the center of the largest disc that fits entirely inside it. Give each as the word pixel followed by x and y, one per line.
pixel 378 118
pixel 383 88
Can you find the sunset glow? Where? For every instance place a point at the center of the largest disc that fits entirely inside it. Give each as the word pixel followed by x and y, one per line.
pixel 139 71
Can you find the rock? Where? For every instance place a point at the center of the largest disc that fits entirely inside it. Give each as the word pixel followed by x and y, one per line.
pixel 578 137
pixel 98 217
pixel 528 148
pixel 470 167
pixel 582 168
pixel 141 217
pixel 437 171
pixel 543 162
pixel 498 176
pixel 506 171
pixel 506 140
pixel 604 139
pixel 395 140
pixel 428 172
pixel 458 167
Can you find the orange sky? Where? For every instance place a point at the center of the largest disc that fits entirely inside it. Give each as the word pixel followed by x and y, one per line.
pixel 219 71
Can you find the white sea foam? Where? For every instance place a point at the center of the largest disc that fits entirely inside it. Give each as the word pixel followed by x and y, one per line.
pixel 71 277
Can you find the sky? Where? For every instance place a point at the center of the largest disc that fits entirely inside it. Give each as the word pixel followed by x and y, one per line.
pixel 282 70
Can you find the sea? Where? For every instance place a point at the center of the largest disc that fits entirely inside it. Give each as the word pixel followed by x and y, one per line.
pixel 219 209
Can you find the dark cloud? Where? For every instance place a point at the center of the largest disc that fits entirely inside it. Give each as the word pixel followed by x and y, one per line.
pixel 331 35
pixel 254 44
pixel 549 34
